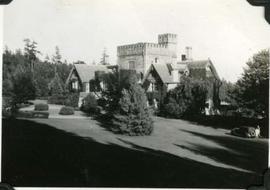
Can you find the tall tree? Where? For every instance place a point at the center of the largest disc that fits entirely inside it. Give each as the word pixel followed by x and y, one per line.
pixel 31 52
pixel 131 115
pixel 224 91
pixel 104 58
pixel 252 89
pixel 23 87
pixel 56 59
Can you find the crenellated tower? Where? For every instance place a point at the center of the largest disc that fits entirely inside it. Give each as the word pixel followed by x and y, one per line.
pixel 168 40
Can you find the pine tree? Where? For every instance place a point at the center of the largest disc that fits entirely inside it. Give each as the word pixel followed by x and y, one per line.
pixel 30 52
pixel 133 116
pixel 104 58
pixel 56 86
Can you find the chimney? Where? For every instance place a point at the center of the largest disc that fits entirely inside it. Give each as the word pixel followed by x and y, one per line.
pixel 189 53
pixel 183 57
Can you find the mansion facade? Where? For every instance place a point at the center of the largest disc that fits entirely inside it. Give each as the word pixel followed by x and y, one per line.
pixel 157 66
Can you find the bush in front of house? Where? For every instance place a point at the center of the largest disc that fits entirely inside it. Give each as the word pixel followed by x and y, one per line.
pixel 187 99
pixel 132 117
pixel 41 107
pixel 58 99
pixel 66 110
pixel 171 109
pixel 90 104
pixel 72 100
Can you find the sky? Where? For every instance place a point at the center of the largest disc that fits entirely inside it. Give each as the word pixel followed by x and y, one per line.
pixel 228 32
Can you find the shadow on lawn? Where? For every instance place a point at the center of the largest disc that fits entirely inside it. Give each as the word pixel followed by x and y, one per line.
pixel 247 154
pixel 230 122
pixel 35 154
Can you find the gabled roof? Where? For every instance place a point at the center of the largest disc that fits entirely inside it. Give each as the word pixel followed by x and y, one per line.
pixel 200 64
pixel 87 72
pixel 163 71
pixel 179 67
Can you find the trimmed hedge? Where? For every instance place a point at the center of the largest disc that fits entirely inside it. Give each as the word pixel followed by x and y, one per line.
pixel 33 114
pixel 66 110
pixel 41 107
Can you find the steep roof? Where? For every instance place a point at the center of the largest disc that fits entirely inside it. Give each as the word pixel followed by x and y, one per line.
pixel 87 72
pixel 200 64
pixel 179 67
pixel 163 71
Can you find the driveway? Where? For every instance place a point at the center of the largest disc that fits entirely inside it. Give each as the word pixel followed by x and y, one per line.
pixel 54 111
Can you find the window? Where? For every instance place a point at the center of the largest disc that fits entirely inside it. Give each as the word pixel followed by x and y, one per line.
pixel 75 85
pixel 132 65
pixel 87 87
pixel 156 60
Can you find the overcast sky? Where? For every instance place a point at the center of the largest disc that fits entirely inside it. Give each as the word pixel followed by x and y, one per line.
pixel 226 31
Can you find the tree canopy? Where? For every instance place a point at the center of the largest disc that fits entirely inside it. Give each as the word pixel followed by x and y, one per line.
pixel 252 89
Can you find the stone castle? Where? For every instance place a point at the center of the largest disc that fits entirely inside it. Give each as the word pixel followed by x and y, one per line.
pixel 140 56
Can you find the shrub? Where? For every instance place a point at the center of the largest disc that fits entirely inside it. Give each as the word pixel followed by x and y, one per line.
pixel 41 107
pixel 66 110
pixel 57 99
pixel 188 98
pixel 132 116
pixel 6 106
pixel 90 104
pixel 33 114
pixel 72 100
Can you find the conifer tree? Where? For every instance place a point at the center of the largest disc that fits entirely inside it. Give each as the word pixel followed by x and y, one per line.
pixel 133 117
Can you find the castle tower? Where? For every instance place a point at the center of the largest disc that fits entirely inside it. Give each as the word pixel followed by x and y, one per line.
pixel 168 40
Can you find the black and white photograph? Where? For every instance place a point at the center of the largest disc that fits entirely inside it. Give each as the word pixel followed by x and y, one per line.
pixel 135 93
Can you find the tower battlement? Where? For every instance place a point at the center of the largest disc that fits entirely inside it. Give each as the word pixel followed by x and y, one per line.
pixel 141 55
pixel 167 38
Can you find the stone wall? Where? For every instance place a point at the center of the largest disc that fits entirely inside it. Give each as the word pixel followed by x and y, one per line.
pixel 145 54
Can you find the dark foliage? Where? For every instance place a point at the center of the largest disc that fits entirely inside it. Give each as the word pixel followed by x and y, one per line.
pixel 41 107
pixel 66 110
pixel 188 98
pixel 23 87
pixel 252 89
pixel 42 72
pixel 59 99
pixel 224 92
pixel 72 100
pixel 132 115
pixel 90 104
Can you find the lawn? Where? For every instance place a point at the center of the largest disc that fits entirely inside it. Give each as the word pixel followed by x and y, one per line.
pixel 81 153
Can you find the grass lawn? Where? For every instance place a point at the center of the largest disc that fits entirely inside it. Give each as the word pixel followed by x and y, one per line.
pixel 79 152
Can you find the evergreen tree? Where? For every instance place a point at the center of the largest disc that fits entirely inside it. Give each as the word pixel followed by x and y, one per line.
pixel 23 87
pixel 56 59
pixel 30 52
pixel 104 58
pixel 56 86
pixel 132 115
